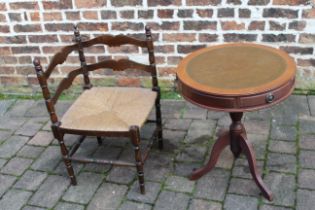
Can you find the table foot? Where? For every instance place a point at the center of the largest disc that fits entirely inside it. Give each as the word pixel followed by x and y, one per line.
pixel 222 141
pixel 237 139
pixel 250 155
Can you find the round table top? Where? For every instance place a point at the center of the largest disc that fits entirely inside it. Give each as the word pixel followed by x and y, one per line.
pixel 236 77
pixel 236 69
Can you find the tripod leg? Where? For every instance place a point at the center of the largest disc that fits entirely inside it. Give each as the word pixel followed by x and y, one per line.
pixel 217 148
pixel 249 153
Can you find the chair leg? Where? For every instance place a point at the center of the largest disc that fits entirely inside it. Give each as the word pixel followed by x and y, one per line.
pixel 159 124
pixel 64 151
pixel 135 139
pixel 99 140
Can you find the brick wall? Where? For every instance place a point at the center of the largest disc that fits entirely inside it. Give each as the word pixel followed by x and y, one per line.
pixel 31 29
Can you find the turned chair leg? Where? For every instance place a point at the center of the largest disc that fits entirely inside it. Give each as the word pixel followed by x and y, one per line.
pixel 99 140
pixel 65 153
pixel 159 134
pixel 135 140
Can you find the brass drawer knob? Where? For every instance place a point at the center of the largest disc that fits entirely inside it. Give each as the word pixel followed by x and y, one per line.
pixel 270 97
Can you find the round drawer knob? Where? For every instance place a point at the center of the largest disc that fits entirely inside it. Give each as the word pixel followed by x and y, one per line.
pixel 270 97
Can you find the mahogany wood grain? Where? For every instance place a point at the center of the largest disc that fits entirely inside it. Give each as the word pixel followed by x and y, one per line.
pixel 133 133
pixel 234 78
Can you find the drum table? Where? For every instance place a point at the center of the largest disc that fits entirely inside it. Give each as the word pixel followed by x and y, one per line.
pixel 235 78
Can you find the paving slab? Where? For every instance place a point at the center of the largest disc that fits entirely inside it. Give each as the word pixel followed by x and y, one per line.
pixel 305 200
pixel 6 182
pixel 16 166
pixel 238 202
pixel 14 199
pixel 213 185
pixel 50 191
pixel 114 196
pixel 199 204
pixel 179 184
pixel 30 180
pixel 48 160
pixel 129 205
pixel 83 192
pixel 171 200
pixel 11 146
pixel 5 105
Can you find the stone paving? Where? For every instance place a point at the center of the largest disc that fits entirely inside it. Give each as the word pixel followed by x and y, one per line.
pixel 32 175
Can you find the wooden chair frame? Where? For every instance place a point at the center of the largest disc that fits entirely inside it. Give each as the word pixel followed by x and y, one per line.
pixel 120 65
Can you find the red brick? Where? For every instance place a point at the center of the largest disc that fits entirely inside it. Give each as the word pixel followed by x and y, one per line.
pixel 3 7
pixel 121 3
pixel 4 29
pixel 257 25
pixel 95 49
pixel 24 70
pixel 278 38
pixel 189 48
pixel 244 13
pixel 235 2
pixel 164 49
pixel 298 50
pixel 7 60
pixel 90 15
pixel 5 51
pixel 20 39
pixel 25 59
pixel 127 14
pixel 208 37
pixel 124 26
pixel 297 25
pixel 165 13
pixel 306 62
pixel 43 38
pixel 205 12
pixel 146 14
pixel 13 80
pixel 52 16
pixel 173 60
pixel 59 27
pixel 93 26
pixel 24 5
pixel 128 82
pixel 239 37
pixel 200 25
pixel 60 4
pixel 276 26
pixel 226 12
pixel 6 69
pixel 232 25
pixel 165 25
pixel 309 13
pixel 185 13
pixel 108 14
pixel 307 38
pixel 90 3
pixel 73 15
pixel 164 2
pixel 280 13
pixel 258 2
pixel 179 37
pixel 27 28
pixel 25 50
pixel 290 2
pixel 202 2
pixel 3 18
pixel 15 17
pixel 35 16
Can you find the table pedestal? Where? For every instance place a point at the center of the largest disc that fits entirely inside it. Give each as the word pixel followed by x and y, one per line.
pixel 237 139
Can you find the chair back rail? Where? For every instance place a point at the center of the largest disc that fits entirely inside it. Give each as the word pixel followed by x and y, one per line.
pixel 108 40
pixel 119 65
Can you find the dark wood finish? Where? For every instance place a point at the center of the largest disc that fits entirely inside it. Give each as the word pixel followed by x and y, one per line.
pixel 236 138
pixel 120 65
pixel 155 87
pixel 235 91
pixel 135 140
pixel 87 83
